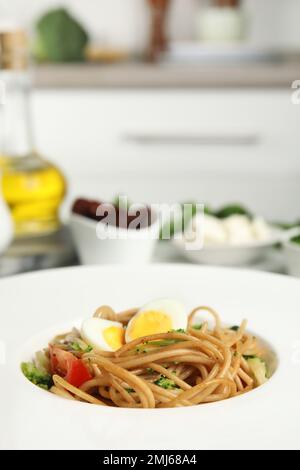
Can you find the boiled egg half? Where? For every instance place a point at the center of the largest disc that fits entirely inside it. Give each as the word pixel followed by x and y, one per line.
pixel 159 316
pixel 103 335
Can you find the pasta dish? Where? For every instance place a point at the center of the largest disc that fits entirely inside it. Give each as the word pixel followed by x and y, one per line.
pixel 158 356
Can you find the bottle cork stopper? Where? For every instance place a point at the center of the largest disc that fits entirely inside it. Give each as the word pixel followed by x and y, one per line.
pixel 13 50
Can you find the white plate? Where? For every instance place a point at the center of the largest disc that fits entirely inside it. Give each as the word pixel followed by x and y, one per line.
pixel 36 306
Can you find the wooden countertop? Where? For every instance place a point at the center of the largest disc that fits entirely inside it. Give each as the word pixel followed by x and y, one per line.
pixel 140 75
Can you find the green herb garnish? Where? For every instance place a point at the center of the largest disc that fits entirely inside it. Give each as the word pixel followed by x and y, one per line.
pixel 235 328
pixel 166 383
pixel 197 326
pixel 130 390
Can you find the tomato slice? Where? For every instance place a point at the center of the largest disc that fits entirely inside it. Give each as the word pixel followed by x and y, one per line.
pixel 65 364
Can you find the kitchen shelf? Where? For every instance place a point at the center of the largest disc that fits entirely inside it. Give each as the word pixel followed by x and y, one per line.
pixel 142 75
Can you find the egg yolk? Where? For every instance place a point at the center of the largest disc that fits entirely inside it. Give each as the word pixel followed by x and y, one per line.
pixel 150 323
pixel 114 337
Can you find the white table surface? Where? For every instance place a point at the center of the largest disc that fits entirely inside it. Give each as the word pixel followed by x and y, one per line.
pixel 60 254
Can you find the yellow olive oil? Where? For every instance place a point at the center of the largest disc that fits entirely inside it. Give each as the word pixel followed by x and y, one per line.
pixel 33 190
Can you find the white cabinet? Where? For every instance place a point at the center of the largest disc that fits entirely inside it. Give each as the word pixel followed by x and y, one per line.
pixel 158 145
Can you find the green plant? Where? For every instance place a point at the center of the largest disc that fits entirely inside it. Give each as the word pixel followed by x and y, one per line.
pixel 233 209
pixel 296 240
pixel 60 37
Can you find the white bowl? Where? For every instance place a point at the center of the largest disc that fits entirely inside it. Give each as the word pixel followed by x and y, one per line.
pixel 292 258
pixel 97 244
pixel 231 255
pixel 51 301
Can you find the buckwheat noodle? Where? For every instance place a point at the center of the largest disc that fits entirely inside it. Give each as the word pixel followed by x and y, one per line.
pixel 203 365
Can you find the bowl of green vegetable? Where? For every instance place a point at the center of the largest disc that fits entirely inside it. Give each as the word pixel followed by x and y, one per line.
pixel 292 256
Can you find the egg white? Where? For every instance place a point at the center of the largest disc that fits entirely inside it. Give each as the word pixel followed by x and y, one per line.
pixel 92 332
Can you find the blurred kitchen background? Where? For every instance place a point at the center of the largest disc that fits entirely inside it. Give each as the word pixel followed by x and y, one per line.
pixel 164 101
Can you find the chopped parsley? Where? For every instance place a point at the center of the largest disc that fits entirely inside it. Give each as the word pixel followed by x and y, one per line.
pixel 197 326
pixel 166 383
pixel 130 390
pixel 150 370
pixel 247 357
pixel 235 328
